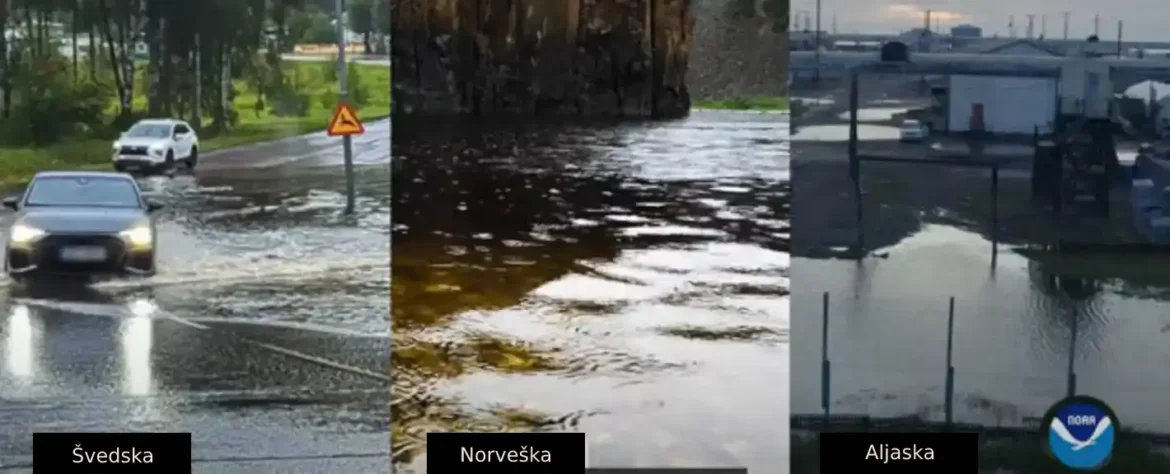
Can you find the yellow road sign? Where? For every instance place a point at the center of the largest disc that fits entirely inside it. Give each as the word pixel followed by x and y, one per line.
pixel 345 122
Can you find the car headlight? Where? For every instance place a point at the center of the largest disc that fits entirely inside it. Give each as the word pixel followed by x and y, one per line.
pixel 138 236
pixel 23 234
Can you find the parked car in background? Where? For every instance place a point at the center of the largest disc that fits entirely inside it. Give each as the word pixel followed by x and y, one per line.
pixel 154 144
pixel 913 131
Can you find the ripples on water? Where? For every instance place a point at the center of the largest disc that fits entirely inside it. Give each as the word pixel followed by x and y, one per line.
pixel 629 281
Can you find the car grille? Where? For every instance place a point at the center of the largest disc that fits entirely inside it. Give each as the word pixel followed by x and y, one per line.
pixel 133 150
pixel 49 253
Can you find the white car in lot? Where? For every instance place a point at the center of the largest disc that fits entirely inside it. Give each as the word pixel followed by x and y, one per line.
pixel 154 144
pixel 913 131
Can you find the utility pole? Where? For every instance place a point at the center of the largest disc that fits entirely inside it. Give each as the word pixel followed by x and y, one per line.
pixel 817 44
pixel 343 97
pixel 1096 25
pixel 1118 38
pixel 1066 15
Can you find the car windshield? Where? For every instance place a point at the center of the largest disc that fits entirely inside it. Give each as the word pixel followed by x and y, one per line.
pixel 149 130
pixel 82 192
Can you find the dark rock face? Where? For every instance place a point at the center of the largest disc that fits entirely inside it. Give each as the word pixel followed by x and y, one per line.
pixel 541 58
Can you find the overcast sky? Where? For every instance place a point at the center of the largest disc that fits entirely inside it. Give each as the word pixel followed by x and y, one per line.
pixel 1143 19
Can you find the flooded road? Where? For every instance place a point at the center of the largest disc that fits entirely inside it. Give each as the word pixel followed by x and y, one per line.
pixel 927 237
pixel 629 281
pixel 264 332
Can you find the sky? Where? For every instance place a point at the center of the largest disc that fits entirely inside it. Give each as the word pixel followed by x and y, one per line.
pixel 1143 20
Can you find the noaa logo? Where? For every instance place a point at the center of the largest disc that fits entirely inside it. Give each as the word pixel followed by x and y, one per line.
pixel 1080 432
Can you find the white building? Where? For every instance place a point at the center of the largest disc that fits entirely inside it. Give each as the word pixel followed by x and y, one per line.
pixel 1003 105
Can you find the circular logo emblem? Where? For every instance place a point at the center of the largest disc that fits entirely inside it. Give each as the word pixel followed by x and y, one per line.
pixel 1080 432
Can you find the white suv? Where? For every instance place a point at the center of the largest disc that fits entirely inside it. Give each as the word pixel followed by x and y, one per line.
pixel 156 143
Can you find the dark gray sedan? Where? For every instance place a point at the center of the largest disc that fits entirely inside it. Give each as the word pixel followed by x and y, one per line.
pixel 80 223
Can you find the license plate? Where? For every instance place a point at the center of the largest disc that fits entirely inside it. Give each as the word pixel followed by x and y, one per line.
pixel 83 254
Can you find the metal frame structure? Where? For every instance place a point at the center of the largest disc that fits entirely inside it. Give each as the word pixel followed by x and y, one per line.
pixel 911 68
pixel 962 64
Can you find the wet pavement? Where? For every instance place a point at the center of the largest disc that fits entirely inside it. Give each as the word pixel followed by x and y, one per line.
pixel 625 280
pixel 264 332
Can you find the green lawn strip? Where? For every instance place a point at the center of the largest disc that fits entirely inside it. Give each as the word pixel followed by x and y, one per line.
pixel 762 103
pixel 17 165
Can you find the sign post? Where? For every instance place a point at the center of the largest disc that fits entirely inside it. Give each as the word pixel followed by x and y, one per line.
pixel 345 124
pixel 342 107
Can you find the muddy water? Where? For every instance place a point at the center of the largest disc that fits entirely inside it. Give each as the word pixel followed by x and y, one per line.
pixel 629 281
pixel 1013 328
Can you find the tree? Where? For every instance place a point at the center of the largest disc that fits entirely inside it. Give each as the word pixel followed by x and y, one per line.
pixel 361 21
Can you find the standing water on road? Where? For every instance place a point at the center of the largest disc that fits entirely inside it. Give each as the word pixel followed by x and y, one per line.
pixel 261 276
pixel 625 280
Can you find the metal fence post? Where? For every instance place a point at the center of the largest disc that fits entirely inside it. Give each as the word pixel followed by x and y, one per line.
pixel 825 374
pixel 994 211
pixel 1072 354
pixel 949 391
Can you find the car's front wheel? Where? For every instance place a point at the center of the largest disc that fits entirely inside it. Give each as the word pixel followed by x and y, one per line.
pixel 193 159
pixel 13 277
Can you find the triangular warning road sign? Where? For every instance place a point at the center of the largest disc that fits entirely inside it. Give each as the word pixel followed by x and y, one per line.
pixel 345 122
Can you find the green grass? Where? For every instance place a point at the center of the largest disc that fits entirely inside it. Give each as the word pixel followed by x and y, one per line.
pixel 765 103
pixel 17 165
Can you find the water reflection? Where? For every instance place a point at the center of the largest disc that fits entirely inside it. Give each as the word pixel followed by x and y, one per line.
pixel 20 343
pixel 137 338
pixel 623 280
pixel 1014 328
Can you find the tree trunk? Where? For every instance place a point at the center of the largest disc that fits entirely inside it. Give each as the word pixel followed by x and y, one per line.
pixel 108 38
pixel 127 50
pixel 197 104
pixel 225 86
pixel 73 36
pixel 30 38
pixel 5 65
pixel 154 36
pixel 95 48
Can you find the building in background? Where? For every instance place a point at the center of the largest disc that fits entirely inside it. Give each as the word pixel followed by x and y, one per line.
pixel 966 32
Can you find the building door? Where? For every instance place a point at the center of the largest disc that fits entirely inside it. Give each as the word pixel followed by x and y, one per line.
pixel 976 124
